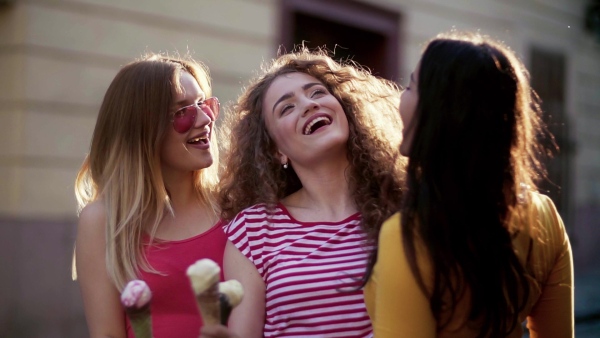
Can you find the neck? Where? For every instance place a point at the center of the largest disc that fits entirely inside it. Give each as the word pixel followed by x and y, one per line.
pixel 326 193
pixel 190 217
pixel 181 189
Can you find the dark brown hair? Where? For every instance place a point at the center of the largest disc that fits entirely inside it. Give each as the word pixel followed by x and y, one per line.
pixel 253 174
pixel 473 155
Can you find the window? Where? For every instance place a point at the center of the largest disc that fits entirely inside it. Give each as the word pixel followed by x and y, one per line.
pixel 548 80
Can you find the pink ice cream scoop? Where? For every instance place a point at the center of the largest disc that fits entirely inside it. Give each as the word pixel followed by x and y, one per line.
pixel 136 294
pixel 136 299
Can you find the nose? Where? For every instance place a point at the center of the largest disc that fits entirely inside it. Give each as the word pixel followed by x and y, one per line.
pixel 203 117
pixel 311 105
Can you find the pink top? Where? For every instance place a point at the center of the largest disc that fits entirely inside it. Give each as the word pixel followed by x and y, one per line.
pixel 311 271
pixel 173 307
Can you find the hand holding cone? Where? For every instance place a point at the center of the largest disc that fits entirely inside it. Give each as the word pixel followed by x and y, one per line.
pixel 136 299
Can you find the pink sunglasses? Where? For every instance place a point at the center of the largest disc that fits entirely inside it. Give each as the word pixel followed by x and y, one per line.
pixel 185 118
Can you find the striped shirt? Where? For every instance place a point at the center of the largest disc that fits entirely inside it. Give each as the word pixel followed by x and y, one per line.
pixel 311 271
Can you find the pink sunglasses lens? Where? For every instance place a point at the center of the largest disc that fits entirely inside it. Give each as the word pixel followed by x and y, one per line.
pixel 184 119
pixel 214 105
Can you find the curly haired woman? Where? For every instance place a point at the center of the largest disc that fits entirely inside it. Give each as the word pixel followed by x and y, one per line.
pixel 312 168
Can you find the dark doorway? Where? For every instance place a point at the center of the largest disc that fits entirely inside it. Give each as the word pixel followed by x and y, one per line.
pixel 365 34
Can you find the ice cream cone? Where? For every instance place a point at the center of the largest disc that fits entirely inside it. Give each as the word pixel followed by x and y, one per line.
pixel 231 293
pixel 136 299
pixel 141 321
pixel 204 277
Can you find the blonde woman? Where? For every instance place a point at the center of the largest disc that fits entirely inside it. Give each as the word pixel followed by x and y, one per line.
pixel 146 193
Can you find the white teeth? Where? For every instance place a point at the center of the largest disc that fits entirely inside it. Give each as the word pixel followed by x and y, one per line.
pixel 197 139
pixel 312 123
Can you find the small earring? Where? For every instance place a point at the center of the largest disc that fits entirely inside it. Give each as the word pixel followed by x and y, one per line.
pixel 285 165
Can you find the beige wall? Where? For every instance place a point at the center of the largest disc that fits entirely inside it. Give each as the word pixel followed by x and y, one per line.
pixel 58 57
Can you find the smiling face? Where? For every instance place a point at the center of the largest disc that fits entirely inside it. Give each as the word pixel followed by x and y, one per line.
pixel 191 150
pixel 408 105
pixel 304 119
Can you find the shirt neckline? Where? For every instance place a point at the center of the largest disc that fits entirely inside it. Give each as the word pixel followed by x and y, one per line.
pixel 146 237
pixel 353 217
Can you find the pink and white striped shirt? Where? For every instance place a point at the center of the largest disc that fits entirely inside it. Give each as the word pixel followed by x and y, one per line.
pixel 310 269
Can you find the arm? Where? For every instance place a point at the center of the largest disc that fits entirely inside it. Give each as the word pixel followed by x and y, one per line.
pixel 101 300
pixel 553 313
pixel 401 307
pixel 247 319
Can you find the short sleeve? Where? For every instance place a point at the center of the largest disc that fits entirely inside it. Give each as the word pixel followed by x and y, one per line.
pixel 245 237
pixel 553 313
pixel 401 307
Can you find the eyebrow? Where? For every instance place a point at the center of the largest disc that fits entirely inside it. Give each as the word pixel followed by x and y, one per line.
pixel 182 103
pixel 290 94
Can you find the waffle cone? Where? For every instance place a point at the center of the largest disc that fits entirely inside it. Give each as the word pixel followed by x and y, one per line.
pixel 141 321
pixel 209 305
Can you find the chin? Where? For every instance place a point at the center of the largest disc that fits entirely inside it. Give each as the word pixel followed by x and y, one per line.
pixel 403 150
pixel 203 163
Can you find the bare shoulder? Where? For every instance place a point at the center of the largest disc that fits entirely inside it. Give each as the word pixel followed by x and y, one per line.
pixel 92 217
pixel 90 241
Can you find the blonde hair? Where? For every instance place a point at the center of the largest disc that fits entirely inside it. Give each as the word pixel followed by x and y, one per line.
pixel 123 168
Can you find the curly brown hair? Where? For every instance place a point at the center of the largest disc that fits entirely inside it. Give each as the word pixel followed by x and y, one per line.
pixel 253 173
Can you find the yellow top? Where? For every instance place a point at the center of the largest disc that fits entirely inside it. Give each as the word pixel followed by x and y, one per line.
pixel 399 308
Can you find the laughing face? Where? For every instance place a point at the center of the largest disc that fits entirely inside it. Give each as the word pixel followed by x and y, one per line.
pixel 304 119
pixel 190 150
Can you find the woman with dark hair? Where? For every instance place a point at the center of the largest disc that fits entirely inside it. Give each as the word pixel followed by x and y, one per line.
pixel 474 250
pixel 305 185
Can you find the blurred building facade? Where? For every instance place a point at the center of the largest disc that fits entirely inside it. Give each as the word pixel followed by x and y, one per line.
pixel 57 58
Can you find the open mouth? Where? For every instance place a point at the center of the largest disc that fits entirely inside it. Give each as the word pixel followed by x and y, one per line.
pixel 316 124
pixel 199 140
